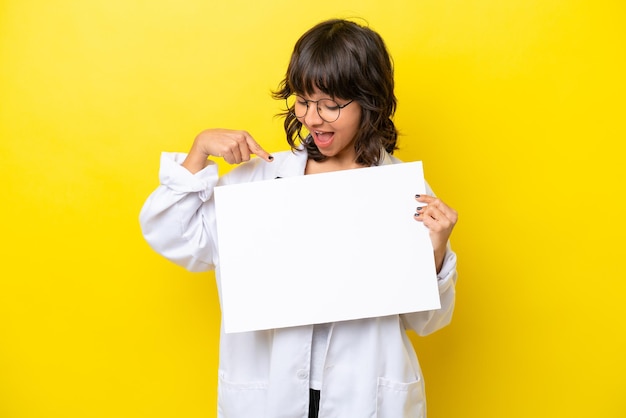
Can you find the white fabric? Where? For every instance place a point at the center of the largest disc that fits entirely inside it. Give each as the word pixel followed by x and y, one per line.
pixel 370 368
pixel 318 354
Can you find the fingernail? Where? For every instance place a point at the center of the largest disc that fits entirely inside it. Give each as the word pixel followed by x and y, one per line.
pixel 419 208
pixel 271 158
pixel 417 215
pixel 417 195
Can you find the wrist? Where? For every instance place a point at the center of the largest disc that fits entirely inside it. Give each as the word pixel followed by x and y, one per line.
pixel 196 160
pixel 440 254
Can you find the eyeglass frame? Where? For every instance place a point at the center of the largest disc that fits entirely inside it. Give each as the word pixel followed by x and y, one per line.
pixel 340 107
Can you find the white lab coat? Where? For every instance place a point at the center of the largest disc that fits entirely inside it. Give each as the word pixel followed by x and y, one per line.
pixel 370 370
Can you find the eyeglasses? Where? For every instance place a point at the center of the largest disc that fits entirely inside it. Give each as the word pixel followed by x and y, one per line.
pixel 327 109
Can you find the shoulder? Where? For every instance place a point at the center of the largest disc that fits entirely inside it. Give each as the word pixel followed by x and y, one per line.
pixel 395 160
pixel 386 158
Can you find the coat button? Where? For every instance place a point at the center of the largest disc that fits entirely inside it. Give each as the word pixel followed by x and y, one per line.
pixel 302 374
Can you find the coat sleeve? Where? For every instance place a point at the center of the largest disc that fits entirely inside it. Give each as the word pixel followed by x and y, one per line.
pixel 424 323
pixel 178 218
pixel 427 322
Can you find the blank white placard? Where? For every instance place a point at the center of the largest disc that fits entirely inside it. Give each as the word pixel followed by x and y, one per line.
pixel 324 248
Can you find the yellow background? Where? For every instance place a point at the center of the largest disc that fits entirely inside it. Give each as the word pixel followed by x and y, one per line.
pixel 516 108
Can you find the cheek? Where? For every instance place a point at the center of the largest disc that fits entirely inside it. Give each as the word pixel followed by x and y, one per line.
pixel 353 127
pixel 356 121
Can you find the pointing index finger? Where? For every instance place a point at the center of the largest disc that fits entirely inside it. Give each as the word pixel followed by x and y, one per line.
pixel 256 149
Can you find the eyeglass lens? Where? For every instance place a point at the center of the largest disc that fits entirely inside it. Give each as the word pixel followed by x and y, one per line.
pixel 327 109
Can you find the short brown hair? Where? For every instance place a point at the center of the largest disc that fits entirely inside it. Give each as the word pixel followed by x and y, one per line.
pixel 347 61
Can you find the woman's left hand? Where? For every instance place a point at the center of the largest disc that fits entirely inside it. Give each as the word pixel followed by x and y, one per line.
pixel 440 219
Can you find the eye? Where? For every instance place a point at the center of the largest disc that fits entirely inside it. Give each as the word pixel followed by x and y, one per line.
pixel 329 105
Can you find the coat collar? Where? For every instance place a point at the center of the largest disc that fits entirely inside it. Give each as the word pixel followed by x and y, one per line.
pixel 293 164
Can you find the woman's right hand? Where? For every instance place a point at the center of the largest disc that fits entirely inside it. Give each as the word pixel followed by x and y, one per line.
pixel 231 145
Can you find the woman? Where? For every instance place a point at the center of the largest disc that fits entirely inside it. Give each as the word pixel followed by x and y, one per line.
pixel 338 88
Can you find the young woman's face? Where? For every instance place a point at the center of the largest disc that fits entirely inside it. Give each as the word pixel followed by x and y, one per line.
pixel 335 139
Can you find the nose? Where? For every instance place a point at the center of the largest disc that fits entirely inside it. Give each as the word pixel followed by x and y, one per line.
pixel 312 115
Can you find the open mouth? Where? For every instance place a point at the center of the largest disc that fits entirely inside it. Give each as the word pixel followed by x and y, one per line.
pixel 323 139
